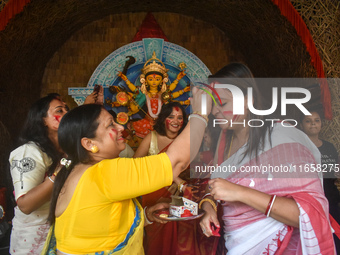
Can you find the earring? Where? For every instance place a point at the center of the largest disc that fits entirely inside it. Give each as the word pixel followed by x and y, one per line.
pixel 94 149
pixel 164 87
pixel 143 89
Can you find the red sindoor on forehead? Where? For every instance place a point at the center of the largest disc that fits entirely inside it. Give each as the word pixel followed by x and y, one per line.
pixel 153 75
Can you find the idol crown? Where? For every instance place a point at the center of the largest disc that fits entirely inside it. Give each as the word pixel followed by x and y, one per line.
pixel 152 66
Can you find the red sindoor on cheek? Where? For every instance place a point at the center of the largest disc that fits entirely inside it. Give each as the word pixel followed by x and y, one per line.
pixel 235 117
pixel 114 131
pixel 167 123
pixel 226 113
pixel 57 117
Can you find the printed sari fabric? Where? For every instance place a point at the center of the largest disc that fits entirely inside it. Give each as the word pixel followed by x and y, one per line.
pixel 131 245
pixel 29 165
pixel 248 231
pixel 184 237
pixel 178 238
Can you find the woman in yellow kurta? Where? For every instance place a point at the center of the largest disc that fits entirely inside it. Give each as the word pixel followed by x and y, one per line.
pixel 93 207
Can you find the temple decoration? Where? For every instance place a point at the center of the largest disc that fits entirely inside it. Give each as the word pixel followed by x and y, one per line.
pixel 149 29
pixel 127 90
pixel 287 10
pixel 141 76
pixel 153 92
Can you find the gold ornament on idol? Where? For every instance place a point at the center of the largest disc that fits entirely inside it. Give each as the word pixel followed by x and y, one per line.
pixel 94 149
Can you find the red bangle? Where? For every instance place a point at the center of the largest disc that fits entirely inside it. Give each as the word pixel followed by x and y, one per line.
pixel 268 206
pixel 208 194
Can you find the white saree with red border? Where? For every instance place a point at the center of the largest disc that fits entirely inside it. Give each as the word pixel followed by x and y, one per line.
pixel 282 168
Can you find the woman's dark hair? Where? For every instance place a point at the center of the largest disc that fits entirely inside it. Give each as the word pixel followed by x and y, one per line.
pixel 256 134
pixel 35 130
pixel 76 124
pixel 317 109
pixel 164 113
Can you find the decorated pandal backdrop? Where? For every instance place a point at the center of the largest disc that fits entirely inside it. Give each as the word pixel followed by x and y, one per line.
pixel 125 73
pixel 136 82
pixel 60 46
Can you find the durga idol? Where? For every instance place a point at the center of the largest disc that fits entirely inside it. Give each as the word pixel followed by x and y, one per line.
pixel 153 92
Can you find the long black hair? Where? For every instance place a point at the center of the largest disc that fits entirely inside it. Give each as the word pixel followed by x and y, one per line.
pixel 256 134
pixel 164 113
pixel 78 123
pixel 35 130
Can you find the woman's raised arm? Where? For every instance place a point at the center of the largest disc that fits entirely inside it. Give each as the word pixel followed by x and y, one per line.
pixel 185 147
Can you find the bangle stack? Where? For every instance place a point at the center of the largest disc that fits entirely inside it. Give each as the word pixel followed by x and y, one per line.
pixel 50 179
pixel 209 201
pixel 199 116
pixel 270 205
pixel 203 116
pixel 206 195
pixel 181 186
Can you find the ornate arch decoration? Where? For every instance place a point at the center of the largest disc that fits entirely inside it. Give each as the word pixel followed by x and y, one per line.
pixel 170 54
pixel 288 11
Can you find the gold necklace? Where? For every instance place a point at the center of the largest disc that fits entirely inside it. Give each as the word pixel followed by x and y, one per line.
pixel 152 94
pixel 231 144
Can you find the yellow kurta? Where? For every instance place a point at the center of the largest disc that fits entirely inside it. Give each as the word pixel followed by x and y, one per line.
pixel 101 210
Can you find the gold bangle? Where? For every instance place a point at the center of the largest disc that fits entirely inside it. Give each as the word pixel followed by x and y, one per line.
pixel 180 186
pixel 208 200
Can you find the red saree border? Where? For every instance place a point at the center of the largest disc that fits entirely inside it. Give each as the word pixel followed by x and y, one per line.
pixel 287 10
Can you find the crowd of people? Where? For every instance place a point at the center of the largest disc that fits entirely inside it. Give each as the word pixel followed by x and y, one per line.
pixel 77 194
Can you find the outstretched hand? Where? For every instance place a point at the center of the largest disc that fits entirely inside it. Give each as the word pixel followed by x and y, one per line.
pixel 186 89
pixel 123 76
pixel 95 97
pixel 209 223
pixel 151 209
pixel 180 75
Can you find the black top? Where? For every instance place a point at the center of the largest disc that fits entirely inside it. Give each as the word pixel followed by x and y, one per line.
pixel 329 155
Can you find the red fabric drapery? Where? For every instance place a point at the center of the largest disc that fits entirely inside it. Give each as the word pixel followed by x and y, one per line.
pixel 288 11
pixel 12 8
pixel 149 29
